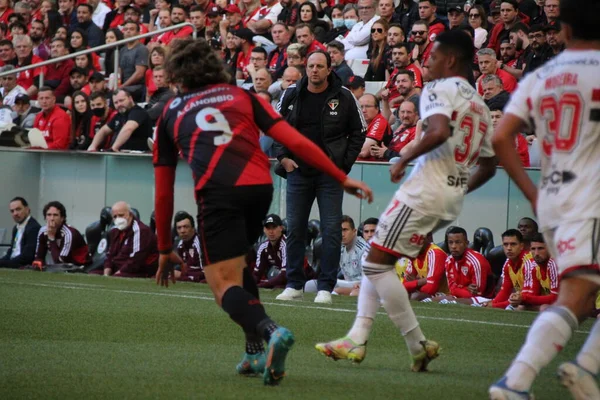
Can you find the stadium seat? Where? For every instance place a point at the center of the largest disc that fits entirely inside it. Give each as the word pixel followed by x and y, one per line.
pixel 96 235
pixel 152 222
pixel 535 158
pixel 284 224
pixel 444 245
pixel 317 252
pixel 135 212
pixel 359 66
pixel 313 230
pixel 373 87
pixel 496 259
pixel 483 241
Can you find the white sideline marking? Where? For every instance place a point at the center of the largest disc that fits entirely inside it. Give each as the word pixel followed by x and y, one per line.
pixel 69 285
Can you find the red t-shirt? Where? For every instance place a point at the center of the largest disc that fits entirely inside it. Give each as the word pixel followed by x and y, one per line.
pixel 25 79
pixel 377 130
pixel 182 33
pixel 56 128
pixel 509 82
pixel 243 61
pixel 315 45
pixel 401 138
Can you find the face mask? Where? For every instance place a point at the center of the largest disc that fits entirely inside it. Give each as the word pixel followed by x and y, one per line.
pixel 338 22
pixel 349 23
pixel 98 112
pixel 120 223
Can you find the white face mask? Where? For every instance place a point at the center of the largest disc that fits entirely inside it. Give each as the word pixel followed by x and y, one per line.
pixel 121 223
pixel 338 22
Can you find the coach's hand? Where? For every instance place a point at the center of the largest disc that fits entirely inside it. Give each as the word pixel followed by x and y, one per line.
pixel 358 189
pixel 166 262
pixel 397 171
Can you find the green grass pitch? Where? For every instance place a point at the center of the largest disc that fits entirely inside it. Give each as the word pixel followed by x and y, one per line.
pixel 90 337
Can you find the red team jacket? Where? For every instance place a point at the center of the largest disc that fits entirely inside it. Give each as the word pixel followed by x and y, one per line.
pixel 131 250
pixel 430 263
pixel 56 128
pixel 68 247
pixel 513 279
pixel 471 268
pixel 377 130
pixel 541 283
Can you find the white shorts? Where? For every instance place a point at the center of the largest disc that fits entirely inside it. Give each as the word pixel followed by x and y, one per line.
pixel 576 247
pixel 402 231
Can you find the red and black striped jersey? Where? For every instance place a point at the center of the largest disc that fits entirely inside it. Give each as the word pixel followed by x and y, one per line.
pixel 216 130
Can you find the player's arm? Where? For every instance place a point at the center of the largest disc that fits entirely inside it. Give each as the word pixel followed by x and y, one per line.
pixel 100 137
pixel 124 135
pixel 480 277
pixel 435 274
pixel 484 172
pixel 501 299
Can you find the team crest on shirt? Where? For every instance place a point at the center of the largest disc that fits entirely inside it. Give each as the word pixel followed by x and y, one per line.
pixel 464 270
pixel 191 252
pixel 333 104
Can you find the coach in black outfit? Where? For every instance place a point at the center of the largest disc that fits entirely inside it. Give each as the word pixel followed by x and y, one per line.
pixel 24 236
pixel 327 114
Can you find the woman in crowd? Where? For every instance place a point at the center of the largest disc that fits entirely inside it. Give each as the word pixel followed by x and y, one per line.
pixel 81 117
pixel 248 9
pixel 479 23
pixel 232 51
pixel 17 28
pixel 309 15
pixel 45 6
pixel 78 41
pixel 85 61
pixel 157 57
pixel 376 51
pixel 53 22
pixel 112 35
pixel 62 33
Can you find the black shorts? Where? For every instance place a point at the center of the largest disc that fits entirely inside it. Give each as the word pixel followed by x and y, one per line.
pixel 230 220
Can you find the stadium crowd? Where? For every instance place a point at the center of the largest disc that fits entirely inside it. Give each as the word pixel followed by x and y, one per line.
pixel 381 47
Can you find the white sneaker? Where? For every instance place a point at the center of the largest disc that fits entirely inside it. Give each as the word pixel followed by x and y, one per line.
pixel 290 294
pixel 323 297
pixel 579 381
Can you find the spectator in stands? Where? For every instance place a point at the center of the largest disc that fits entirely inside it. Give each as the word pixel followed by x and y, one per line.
pixel 385 10
pixel 157 58
pixel 350 15
pixel 552 11
pixel 162 94
pixel 144 6
pixel 7 53
pixel 456 17
pixel 102 114
pixel 57 74
pixel 339 29
pixel 261 81
pixel 306 37
pixel 23 10
pixel 356 84
pixel 17 28
pixel 67 10
pixel 62 33
pixel 408 13
pixel 290 76
pixel 528 228
pixel 40 47
pixel 479 23
pixel 394 37
pixel 263 20
pixel 405 89
pixel 164 18
pixel 178 16
pixel 277 60
pixel 112 35
pixel 427 13
pixel 24 236
pixel 513 271
pixel 93 33
pixel 232 20
pixel 81 122
pixel 296 55
pixel 86 63
pixel 52 22
pixel 116 17
pixel 402 62
pixel 99 12
pixel 356 42
pixel 488 65
pixel 540 286
pixel 378 129
pixel 492 87
pixel 308 106
pixel 54 123
pixel 24 51
pixel 420 37
pixel 44 7
pixel 376 53
pixel 10 89
pixel 353 249
pixel 98 84
pixel 130 128
pixel 79 80
pixel 25 112
pixel 540 50
pixel 188 248
pixel 289 13
pixel 214 16
pixel 231 52
pixel 258 60
pixel 57 242
pixel 271 258
pixel 340 67
pixel 508 54
pixel 509 12
pixel 132 251
pixel 133 62
pixel 554 38
pixel 308 15
pixel 198 18
pixel 245 36
pixel 368 228
pixel 406 133
pixel 249 9
pixel 425 275
pixel 496 105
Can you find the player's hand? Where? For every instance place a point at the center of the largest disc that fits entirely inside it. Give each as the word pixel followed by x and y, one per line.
pixel 224 24
pixel 415 52
pixel 92 148
pixel 472 288
pixel 385 93
pixel 397 171
pixel 515 299
pixel 288 164
pixel 378 151
pixel 166 262
pixel 358 189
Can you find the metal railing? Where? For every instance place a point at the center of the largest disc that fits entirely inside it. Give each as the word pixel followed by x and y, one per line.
pixel 98 49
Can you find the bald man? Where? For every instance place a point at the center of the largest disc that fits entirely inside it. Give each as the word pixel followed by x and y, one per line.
pixel 132 251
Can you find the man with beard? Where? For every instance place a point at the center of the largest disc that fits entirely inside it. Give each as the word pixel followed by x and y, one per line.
pixel 178 16
pixel 508 54
pixel 401 61
pixel 540 50
pixel 509 14
pixel 290 13
pixel 395 36
pixel 131 128
pixel 336 52
pixel 36 33
pixel 405 87
pixel 541 278
pixel 406 132
pixel 101 115
pixel 420 37
pixel 84 21
pixel 554 39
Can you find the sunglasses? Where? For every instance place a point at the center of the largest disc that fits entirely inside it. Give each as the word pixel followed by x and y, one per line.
pixel 418 33
pixel 378 30
pixel 474 15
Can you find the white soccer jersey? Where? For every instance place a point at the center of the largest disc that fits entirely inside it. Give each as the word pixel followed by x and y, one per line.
pixel 438 182
pixel 561 101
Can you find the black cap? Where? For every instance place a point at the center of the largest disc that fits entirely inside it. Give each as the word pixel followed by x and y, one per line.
pixel 22 98
pixel 96 77
pixel 214 11
pixel 355 82
pixel 134 8
pixel 552 27
pixel 455 8
pixel 244 33
pixel 272 219
pixel 78 70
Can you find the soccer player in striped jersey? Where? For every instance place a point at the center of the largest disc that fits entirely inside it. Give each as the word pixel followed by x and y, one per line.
pixel 560 101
